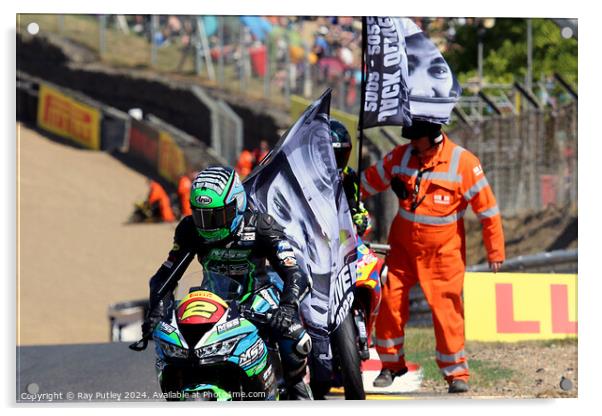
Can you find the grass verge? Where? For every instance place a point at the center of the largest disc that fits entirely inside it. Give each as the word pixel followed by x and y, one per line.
pixel 420 348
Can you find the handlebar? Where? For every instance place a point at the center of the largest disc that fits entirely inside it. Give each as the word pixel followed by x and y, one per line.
pixel 139 345
pixel 245 310
pixel 379 248
pixel 250 314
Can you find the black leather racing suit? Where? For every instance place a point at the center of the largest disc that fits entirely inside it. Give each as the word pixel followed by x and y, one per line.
pixel 242 257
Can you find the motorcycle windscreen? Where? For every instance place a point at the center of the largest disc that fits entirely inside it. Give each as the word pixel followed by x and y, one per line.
pixel 201 307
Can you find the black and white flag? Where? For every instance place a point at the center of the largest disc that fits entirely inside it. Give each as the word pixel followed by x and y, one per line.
pixel 298 184
pixel 404 68
pixel 386 100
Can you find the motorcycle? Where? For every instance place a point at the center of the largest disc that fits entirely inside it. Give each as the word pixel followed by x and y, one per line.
pixel 351 340
pixel 210 346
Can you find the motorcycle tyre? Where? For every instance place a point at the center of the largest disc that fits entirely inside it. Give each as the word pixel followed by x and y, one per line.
pixel 344 342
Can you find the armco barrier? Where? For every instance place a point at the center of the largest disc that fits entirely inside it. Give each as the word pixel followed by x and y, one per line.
pixel 172 164
pixel 71 115
pixel 557 261
pixel 27 101
pixel 194 154
pixel 144 143
pixel 114 130
pixel 511 307
pixel 68 117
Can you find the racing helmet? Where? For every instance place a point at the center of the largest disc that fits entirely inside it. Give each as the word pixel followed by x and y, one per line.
pixel 341 142
pixel 218 201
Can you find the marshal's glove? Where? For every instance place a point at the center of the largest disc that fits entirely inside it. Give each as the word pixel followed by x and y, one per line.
pixel 399 188
pixel 284 317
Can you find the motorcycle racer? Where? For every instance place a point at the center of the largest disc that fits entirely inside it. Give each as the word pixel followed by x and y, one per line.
pixel 341 144
pixel 229 237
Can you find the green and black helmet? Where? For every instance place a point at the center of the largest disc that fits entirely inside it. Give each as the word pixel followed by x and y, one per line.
pixel 218 201
pixel 341 142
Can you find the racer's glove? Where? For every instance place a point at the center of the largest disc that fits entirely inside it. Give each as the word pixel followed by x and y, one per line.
pixel 152 319
pixel 284 317
pixel 361 223
pixel 148 326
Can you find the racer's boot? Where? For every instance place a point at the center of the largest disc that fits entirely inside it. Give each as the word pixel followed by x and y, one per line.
pixel 386 376
pixel 295 346
pixel 299 391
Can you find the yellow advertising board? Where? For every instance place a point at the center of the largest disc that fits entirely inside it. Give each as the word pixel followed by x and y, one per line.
pixel 172 163
pixel 299 104
pixel 511 307
pixel 68 117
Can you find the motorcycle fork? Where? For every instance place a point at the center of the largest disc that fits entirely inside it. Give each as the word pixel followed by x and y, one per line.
pixel 359 318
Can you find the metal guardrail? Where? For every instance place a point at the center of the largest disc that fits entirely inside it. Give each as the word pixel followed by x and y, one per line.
pixel 125 319
pixel 553 260
pixel 559 261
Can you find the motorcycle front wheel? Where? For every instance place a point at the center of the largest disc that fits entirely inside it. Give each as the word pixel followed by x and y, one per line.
pixel 344 341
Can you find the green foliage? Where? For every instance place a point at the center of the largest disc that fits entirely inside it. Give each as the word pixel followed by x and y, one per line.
pixel 505 51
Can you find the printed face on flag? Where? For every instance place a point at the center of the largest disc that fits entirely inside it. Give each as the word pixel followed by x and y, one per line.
pixel 433 88
pixel 406 75
pixel 287 204
pixel 429 74
pixel 300 187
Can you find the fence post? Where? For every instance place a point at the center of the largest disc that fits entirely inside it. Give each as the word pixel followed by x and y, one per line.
pixel 306 74
pixel 102 28
pixel 204 48
pixel 153 29
pixel 287 63
pixel 197 48
pixel 267 76
pixel 573 139
pixel 220 61
pixel 61 23
pixel 533 197
pixel 243 59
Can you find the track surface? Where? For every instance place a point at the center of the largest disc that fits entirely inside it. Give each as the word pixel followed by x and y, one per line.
pixel 100 373
pixel 76 255
pixel 92 369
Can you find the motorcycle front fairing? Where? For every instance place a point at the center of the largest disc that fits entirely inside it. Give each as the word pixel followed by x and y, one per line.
pixel 231 346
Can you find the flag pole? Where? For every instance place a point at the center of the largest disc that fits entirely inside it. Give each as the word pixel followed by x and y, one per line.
pixel 360 127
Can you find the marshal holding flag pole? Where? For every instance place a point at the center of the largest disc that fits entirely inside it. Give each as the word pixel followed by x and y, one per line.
pixel 404 77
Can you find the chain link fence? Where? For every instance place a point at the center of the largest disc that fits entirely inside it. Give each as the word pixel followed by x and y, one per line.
pixel 530 158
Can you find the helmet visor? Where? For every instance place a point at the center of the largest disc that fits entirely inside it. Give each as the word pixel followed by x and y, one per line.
pixel 213 218
pixel 341 155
